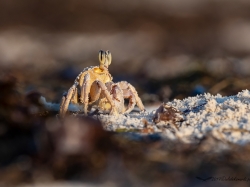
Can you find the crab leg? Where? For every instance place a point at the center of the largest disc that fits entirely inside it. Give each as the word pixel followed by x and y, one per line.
pixel 74 98
pixel 66 100
pixel 131 104
pixel 62 104
pixel 130 92
pixel 137 98
pixel 108 96
pixel 117 97
pixel 85 89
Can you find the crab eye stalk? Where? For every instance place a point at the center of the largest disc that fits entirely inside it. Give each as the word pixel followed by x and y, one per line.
pixel 109 57
pixel 102 59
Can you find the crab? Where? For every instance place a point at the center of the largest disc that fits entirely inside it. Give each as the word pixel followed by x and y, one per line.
pixel 94 85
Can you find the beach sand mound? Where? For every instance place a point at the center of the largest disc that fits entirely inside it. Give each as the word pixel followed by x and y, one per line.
pixel 225 118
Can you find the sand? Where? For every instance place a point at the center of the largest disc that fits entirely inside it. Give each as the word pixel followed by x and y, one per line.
pixel 225 118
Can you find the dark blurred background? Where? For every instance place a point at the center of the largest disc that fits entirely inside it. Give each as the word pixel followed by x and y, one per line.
pixel 166 49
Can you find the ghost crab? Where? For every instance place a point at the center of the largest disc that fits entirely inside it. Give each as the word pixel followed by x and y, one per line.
pixel 94 85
